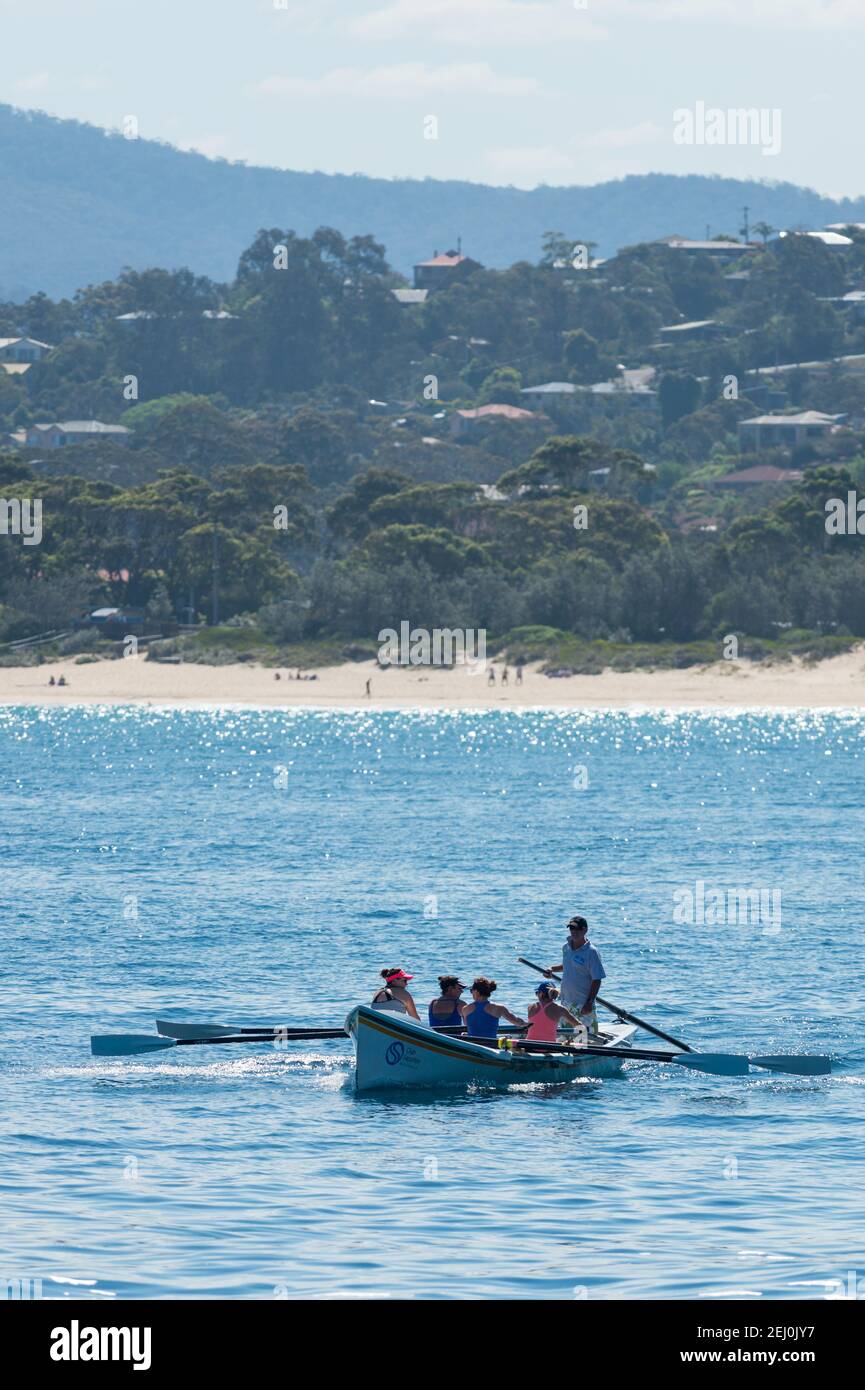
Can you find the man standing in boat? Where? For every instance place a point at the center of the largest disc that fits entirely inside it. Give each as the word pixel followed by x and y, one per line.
pixel 581 971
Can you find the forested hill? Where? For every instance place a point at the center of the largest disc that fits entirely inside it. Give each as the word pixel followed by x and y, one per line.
pixel 78 205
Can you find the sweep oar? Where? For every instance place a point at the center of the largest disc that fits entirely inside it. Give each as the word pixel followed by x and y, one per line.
pixel 620 1013
pixel 796 1063
pixel 716 1063
pixel 190 1031
pixel 125 1044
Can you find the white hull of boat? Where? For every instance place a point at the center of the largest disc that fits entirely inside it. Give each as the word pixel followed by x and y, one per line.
pixel 394 1051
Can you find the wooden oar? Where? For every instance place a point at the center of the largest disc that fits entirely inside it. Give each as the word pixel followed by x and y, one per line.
pixel 796 1063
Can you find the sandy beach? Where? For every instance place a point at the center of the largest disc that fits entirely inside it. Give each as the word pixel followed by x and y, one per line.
pixel 839 681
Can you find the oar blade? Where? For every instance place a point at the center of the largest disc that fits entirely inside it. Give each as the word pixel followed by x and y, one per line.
pixel 715 1063
pixel 795 1064
pixel 125 1044
pixel 171 1029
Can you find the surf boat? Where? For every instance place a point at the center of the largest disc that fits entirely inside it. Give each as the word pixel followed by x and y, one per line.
pixel 394 1051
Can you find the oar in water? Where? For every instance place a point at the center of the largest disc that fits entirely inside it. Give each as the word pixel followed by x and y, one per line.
pixel 796 1063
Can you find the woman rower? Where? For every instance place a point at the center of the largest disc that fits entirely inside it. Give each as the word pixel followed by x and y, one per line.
pixel 481 1017
pixel 446 1011
pixel 393 997
pixel 546 1015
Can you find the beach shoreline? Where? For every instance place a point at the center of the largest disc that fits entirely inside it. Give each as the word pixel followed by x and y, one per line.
pixel 837 682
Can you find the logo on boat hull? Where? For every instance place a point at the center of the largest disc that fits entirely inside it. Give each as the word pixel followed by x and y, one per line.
pixel 394 1053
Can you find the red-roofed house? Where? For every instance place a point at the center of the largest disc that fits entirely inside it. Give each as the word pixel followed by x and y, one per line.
pixel 441 271
pixel 463 420
pixel 758 476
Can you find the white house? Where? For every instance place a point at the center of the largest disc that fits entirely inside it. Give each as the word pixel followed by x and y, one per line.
pixel 17 354
pixel 60 434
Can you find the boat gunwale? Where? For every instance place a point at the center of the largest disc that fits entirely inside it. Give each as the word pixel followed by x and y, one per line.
pixel 395 1026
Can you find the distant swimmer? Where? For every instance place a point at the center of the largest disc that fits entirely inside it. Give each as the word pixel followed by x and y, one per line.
pixel 481 1017
pixel 582 971
pixel 393 997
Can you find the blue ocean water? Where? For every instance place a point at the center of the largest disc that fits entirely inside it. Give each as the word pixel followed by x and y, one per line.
pixel 264 865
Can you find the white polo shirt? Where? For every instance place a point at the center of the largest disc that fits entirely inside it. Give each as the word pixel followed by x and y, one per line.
pixel 580 969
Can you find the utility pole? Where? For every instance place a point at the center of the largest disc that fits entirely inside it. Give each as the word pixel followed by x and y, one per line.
pixel 214 616
pixel 745 227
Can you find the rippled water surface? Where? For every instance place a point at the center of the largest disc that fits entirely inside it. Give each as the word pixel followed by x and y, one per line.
pixel 262 866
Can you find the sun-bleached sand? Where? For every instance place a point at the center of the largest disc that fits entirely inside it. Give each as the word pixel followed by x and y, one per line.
pixel 839 681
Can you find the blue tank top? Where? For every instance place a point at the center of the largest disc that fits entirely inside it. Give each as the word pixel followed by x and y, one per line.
pixel 453 1020
pixel 480 1024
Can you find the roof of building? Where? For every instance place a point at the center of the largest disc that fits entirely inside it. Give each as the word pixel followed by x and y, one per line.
pixel 550 388
pixel 448 258
pixel 681 243
pixel 827 238
pixel 802 417
pixel 687 327
pixel 761 473
pixel 410 296
pixel 83 427
pixel 509 412
pixel 9 342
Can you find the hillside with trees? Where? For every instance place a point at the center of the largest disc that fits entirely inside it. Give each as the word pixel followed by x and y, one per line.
pixel 309 459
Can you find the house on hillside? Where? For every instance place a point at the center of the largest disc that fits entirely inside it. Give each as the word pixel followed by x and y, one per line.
pixel 722 251
pixel 834 240
pixel 137 316
pixel 442 271
pixel 18 354
pixel 785 431
pixel 760 475
pixel 406 297
pixel 59 435
pixel 465 421
pixel 697 331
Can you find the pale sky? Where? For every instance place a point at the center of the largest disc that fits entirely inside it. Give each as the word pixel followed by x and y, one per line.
pixel 522 91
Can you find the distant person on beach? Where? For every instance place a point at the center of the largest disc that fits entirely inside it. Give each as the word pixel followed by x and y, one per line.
pixel 582 971
pixel 368 688
pixel 491 676
pixel 480 1016
pixel 62 680
pixel 505 676
pixel 520 674
pixel 276 676
pixel 446 1011
pixel 393 997
pixel 51 680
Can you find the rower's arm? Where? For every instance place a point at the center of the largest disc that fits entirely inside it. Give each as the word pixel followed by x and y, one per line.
pixel 555 970
pixel 512 1018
